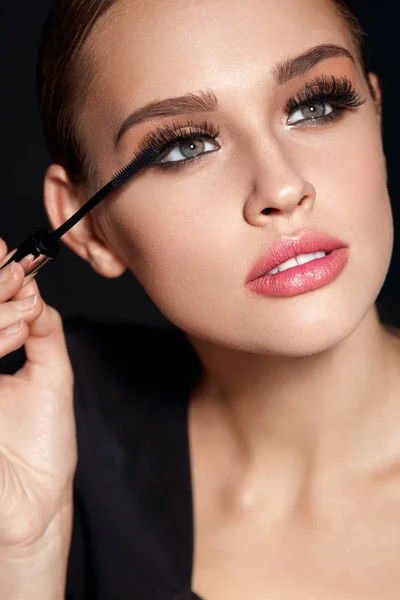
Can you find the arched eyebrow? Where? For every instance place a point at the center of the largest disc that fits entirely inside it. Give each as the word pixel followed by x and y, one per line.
pixel 207 101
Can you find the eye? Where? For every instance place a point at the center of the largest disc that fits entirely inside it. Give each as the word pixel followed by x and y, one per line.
pixel 316 110
pixel 189 148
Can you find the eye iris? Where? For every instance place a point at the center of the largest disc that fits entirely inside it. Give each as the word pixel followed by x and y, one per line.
pixel 191 147
pixel 314 110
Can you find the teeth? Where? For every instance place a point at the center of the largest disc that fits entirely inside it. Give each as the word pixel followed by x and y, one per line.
pixel 302 259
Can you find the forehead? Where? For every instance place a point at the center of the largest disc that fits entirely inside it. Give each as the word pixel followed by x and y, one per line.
pixel 151 49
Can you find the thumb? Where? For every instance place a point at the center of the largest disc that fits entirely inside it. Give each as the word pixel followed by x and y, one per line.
pixel 45 347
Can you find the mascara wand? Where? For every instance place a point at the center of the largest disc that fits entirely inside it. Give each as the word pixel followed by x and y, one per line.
pixel 43 246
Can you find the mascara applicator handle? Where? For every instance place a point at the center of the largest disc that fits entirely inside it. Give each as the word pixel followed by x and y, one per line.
pixel 35 253
pixel 43 246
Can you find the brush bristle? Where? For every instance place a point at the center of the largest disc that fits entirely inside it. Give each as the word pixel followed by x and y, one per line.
pixel 145 159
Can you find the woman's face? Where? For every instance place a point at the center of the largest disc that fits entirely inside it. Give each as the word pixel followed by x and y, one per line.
pixel 191 234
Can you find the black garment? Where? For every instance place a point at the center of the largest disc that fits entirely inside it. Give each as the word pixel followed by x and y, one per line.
pixel 132 535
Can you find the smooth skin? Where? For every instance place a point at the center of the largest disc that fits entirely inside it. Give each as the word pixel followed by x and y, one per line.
pixel 294 426
pixel 38 451
pixel 294 435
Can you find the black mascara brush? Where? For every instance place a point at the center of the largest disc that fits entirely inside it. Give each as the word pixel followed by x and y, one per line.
pixel 43 246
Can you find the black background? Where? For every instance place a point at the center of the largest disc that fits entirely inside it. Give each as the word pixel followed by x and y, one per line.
pixel 69 284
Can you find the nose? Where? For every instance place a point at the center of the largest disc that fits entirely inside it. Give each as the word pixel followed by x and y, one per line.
pixel 278 187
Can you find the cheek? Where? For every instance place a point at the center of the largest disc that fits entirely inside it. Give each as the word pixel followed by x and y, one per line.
pixel 359 202
pixel 184 237
pixel 183 245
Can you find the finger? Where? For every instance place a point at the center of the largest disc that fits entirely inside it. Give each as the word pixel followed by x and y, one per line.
pixel 45 347
pixel 11 280
pixel 13 338
pixel 3 249
pixel 5 254
pixel 25 309
pixel 44 339
pixel 27 288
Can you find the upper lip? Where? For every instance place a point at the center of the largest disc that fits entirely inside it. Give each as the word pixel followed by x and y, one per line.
pixel 288 247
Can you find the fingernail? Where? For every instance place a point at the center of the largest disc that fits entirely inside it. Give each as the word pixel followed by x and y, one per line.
pixel 6 272
pixel 26 303
pixel 14 328
pixel 26 262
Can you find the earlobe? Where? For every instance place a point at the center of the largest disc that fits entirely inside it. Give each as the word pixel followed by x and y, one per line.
pixel 62 199
pixel 103 261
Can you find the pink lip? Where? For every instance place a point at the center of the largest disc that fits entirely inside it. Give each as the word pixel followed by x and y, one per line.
pixel 303 278
pixel 289 247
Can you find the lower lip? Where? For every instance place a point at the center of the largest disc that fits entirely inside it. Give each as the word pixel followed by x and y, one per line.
pixel 304 278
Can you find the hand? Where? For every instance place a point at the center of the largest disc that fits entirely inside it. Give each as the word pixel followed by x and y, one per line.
pixel 38 451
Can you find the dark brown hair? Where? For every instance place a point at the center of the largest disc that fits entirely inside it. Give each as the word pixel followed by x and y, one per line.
pixel 63 75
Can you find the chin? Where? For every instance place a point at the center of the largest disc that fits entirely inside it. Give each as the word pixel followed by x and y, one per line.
pixel 293 333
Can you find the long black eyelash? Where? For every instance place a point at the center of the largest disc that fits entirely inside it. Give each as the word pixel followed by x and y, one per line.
pixel 339 92
pixel 168 135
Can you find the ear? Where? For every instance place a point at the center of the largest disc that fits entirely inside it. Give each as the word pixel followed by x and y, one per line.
pixel 377 93
pixel 62 199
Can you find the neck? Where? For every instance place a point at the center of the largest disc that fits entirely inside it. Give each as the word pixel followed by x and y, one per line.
pixel 320 409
